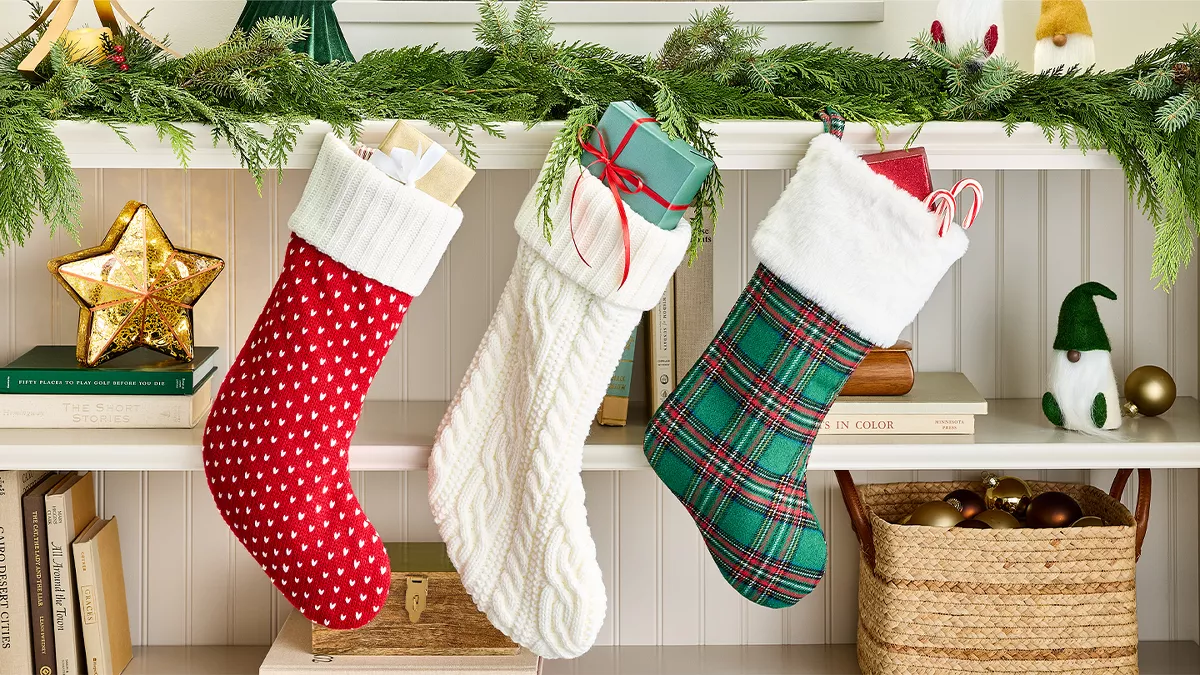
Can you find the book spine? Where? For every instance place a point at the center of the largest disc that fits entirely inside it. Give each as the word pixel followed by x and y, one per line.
pixel 879 425
pixel 20 381
pixel 614 409
pixel 59 529
pixel 87 578
pixel 694 328
pixel 40 619
pixel 661 352
pixel 16 650
pixel 95 412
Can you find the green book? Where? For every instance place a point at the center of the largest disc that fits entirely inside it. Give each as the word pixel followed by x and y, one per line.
pixel 142 372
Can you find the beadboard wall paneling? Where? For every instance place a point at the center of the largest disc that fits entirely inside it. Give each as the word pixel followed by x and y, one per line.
pixel 993 317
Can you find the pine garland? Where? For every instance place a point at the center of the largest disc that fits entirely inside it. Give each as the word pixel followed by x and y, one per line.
pixel 1147 115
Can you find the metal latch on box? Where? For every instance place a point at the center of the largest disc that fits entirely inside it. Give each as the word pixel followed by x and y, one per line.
pixel 414 598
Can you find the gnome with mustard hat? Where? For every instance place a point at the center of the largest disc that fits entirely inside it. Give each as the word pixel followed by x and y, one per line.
pixel 1064 36
pixel 1083 389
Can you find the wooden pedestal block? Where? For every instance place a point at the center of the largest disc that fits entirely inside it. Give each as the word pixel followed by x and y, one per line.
pixel 428 613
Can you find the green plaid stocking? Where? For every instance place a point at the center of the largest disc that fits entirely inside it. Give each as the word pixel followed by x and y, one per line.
pixel 847 261
pixel 732 440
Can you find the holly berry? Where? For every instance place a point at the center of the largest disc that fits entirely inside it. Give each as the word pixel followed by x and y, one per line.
pixel 118 48
pixel 124 67
pixel 117 58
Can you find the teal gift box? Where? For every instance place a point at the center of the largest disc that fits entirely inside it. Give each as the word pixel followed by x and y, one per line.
pixel 672 169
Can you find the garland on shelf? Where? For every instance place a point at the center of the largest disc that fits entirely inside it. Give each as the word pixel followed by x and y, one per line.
pixel 1146 115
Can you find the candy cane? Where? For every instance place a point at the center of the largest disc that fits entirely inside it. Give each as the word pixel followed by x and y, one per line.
pixel 945 203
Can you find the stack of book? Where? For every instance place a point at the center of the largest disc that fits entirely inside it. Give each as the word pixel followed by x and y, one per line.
pixel 939 403
pixel 48 388
pixel 62 605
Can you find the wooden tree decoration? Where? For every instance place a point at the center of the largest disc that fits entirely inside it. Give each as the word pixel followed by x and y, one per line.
pixel 58 16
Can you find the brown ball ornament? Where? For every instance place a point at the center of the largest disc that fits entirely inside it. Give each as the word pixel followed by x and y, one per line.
pixel 999 520
pixel 1089 521
pixel 1008 493
pixel 1150 391
pixel 969 502
pixel 1053 509
pixel 935 514
pixel 974 524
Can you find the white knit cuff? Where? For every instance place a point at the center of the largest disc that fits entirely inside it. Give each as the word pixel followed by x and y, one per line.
pixel 851 241
pixel 654 253
pixel 357 215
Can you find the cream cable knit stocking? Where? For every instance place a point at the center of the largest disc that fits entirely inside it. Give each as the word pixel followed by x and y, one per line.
pixel 504 482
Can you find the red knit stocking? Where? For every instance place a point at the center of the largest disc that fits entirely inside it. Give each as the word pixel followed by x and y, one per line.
pixel 277 440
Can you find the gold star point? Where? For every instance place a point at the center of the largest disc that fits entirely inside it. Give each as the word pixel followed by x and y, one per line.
pixel 135 289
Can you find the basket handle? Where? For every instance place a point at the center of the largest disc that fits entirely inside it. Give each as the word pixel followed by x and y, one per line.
pixel 866 537
pixel 1141 514
pixel 858 515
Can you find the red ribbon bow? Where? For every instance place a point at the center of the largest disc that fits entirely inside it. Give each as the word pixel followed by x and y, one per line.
pixel 618 179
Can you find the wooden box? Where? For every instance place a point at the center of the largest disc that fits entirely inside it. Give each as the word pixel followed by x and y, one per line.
pixel 428 613
pixel 886 371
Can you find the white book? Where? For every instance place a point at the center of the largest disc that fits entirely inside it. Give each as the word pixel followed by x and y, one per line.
pixel 291 654
pixel 90 411
pixel 660 352
pixel 16 647
pixel 892 425
pixel 70 507
pixel 932 394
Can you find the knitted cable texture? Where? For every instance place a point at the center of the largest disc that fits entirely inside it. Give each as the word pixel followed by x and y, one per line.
pixel 505 486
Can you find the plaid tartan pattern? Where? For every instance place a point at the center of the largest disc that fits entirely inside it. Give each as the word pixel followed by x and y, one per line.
pixel 732 441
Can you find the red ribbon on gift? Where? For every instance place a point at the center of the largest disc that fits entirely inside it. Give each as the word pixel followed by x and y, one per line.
pixel 618 179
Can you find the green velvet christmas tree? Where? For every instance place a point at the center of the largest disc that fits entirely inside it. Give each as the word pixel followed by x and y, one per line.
pixel 324 44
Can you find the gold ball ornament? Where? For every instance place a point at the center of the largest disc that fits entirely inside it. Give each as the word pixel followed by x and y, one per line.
pixel 1089 521
pixel 969 502
pixel 935 514
pixel 999 520
pixel 1150 391
pixel 1053 509
pixel 974 524
pixel 135 289
pixel 1007 493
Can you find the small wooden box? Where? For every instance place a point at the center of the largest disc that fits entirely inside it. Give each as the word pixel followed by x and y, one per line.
pixel 886 371
pixel 428 613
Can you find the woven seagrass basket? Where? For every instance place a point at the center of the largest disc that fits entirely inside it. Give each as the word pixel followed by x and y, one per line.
pixel 935 601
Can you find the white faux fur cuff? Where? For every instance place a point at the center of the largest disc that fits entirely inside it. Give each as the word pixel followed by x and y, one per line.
pixel 655 253
pixel 357 215
pixel 850 240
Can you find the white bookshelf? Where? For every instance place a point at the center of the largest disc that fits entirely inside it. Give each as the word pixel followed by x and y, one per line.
pixel 398 436
pixel 1156 658
pixel 742 144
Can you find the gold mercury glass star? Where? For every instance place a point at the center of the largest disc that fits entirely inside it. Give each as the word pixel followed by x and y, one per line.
pixel 135 289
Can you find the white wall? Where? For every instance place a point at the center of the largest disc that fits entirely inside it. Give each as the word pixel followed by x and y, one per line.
pixel 993 318
pixel 1123 28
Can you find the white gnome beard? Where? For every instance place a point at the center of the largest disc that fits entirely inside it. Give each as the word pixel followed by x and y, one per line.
pixel 1080 50
pixel 969 20
pixel 1075 385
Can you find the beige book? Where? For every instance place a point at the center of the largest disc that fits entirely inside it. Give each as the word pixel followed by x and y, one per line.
pixel 291 654
pixel 660 347
pixel 92 411
pixel 881 425
pixel 694 328
pixel 101 583
pixel 16 645
pixel 70 508
pixel 932 394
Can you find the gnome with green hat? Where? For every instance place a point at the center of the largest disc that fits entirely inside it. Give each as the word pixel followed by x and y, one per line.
pixel 1083 389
